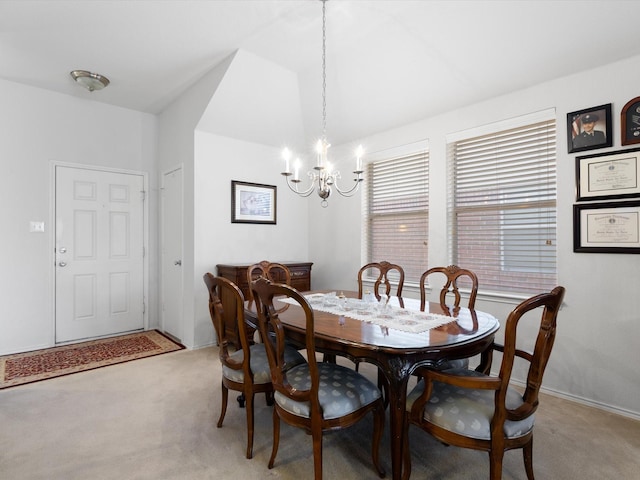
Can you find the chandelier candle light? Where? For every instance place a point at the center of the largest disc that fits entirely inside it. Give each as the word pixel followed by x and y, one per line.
pixel 323 175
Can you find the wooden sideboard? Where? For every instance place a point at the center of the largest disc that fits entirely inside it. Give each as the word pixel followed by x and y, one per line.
pixel 237 273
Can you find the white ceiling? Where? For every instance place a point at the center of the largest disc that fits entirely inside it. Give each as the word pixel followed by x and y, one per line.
pixel 388 62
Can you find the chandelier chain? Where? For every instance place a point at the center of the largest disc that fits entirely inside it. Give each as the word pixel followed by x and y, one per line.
pixel 323 176
pixel 324 71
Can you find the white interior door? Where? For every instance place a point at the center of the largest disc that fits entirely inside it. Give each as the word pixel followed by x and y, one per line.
pixel 99 272
pixel 172 293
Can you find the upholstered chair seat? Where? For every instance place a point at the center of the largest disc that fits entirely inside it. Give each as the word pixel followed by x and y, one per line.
pixel 342 391
pixel 259 363
pixel 468 411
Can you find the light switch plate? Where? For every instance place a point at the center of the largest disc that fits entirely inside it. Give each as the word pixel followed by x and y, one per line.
pixel 37 227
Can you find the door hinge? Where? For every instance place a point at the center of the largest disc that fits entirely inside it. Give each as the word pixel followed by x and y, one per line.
pixel 143 195
pixel 144 252
pixel 144 308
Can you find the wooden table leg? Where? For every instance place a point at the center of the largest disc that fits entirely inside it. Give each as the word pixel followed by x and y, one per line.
pixel 397 372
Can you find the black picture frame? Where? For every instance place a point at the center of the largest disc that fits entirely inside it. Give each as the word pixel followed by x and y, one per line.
pixel 253 203
pixel 609 175
pixel 577 141
pixel 630 122
pixel 606 227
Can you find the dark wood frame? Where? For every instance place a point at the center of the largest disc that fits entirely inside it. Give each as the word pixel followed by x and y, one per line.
pixel 584 161
pixel 237 214
pixel 578 243
pixel 630 128
pixel 573 116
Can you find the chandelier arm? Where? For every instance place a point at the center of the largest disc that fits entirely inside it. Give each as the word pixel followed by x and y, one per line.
pixel 304 193
pixel 351 191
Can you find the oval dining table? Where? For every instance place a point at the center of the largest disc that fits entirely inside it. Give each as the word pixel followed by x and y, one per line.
pixel 396 353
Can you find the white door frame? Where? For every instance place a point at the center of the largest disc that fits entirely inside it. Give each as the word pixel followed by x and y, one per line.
pixel 52 236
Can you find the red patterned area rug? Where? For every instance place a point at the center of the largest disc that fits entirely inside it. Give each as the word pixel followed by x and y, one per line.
pixel 22 368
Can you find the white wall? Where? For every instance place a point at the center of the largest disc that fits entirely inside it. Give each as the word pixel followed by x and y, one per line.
pixel 177 126
pixel 217 240
pixel 198 130
pixel 595 354
pixel 37 128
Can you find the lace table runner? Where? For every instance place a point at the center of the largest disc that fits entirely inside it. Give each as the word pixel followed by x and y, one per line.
pixel 391 316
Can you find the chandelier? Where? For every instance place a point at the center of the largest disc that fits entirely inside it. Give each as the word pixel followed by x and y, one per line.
pixel 322 176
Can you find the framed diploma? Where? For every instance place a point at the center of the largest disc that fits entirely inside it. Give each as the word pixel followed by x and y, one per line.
pixel 608 227
pixel 630 121
pixel 608 175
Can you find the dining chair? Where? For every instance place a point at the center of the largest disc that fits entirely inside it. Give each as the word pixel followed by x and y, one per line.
pixel 315 396
pixel 475 409
pixel 452 274
pixel 245 370
pixel 276 272
pixel 381 271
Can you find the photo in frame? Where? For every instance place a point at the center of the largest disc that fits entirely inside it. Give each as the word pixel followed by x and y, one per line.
pixel 589 129
pixel 607 227
pixel 630 122
pixel 253 203
pixel 608 175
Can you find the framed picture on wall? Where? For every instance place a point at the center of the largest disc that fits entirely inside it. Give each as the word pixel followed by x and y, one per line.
pixel 630 122
pixel 611 227
pixel 608 175
pixel 253 203
pixel 589 129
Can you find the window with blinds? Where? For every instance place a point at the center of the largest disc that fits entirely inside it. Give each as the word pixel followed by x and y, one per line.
pixel 396 212
pixel 502 207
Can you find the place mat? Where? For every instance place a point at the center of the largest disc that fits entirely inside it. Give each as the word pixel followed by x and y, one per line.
pixel 403 319
pixel 21 368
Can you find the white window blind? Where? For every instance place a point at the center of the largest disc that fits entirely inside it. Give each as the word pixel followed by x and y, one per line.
pixel 396 212
pixel 502 207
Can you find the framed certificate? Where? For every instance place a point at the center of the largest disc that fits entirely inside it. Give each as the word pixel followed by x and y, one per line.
pixel 609 227
pixel 608 175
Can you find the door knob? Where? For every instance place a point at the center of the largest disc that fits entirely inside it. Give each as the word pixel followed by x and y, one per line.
pixel 178 262
pixel 62 264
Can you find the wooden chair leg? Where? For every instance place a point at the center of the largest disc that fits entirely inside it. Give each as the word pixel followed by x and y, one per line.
pixel 495 463
pixel 329 358
pixel 223 407
pixel 527 453
pixel 383 386
pixel 378 427
pixel 250 424
pixel 276 438
pixel 269 398
pixel 316 435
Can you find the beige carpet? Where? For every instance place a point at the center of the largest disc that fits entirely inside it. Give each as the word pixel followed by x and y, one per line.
pixel 28 367
pixel 155 419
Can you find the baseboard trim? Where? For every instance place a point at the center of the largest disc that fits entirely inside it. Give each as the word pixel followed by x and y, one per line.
pixel 587 402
